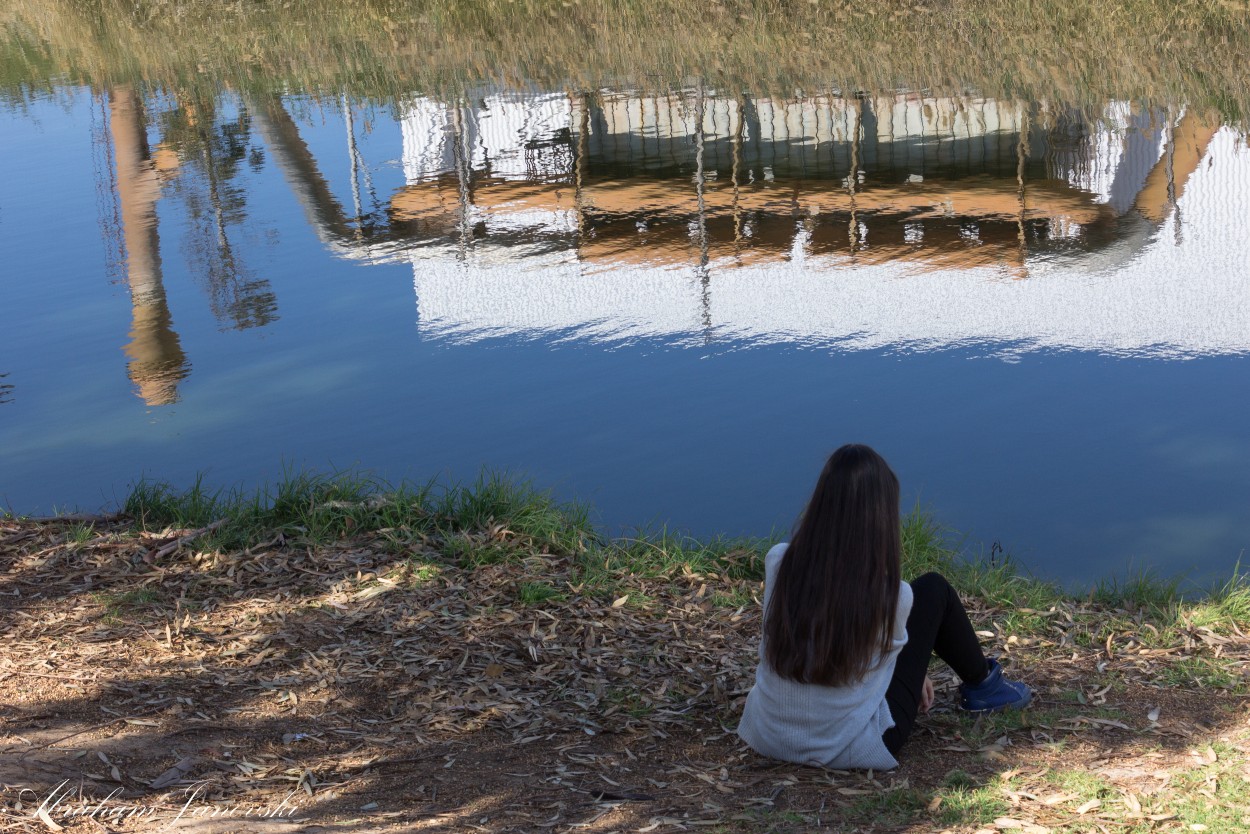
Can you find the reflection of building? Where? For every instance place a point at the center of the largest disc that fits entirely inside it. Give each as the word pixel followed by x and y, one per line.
pixel 573 210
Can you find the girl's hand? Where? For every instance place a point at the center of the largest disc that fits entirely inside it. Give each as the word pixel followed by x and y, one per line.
pixel 926 696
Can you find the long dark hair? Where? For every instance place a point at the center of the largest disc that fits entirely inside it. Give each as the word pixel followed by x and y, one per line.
pixel 833 601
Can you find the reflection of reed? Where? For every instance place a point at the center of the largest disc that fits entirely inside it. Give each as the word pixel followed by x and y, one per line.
pixel 157 362
pixel 1052 50
pixel 6 391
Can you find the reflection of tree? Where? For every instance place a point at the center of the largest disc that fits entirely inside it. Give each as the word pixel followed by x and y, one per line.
pixel 212 146
pixel 6 391
pixel 156 360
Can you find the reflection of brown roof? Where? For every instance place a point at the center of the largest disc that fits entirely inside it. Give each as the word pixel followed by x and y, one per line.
pixel 1189 145
pixel 970 198
pixel 441 196
pixel 612 210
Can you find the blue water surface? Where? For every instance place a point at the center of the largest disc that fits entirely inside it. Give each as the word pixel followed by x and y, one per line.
pixel 1080 460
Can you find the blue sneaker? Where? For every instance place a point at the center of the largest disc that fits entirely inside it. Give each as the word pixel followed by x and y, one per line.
pixel 994 693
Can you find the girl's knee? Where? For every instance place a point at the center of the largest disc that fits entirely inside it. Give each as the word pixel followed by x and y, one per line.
pixel 930 582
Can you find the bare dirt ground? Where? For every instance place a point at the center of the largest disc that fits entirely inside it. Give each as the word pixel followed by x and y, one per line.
pixel 365 686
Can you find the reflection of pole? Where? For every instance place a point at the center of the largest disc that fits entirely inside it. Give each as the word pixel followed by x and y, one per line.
pixel 579 170
pixel 219 214
pixel 1022 154
pixel 853 177
pixel 460 153
pixel 1171 178
pixel 355 157
pixel 734 176
pixel 699 182
pixel 1169 155
pixel 105 174
pixel 157 362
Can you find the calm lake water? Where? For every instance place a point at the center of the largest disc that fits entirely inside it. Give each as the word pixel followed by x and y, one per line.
pixel 672 306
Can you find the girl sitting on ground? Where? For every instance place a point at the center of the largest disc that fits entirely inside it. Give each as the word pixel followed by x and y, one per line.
pixel 845 652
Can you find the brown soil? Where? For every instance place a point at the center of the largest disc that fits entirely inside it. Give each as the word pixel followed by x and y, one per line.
pixel 378 688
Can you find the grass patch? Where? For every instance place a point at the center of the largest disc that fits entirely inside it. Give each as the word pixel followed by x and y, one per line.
pixel 423 572
pixel 961 800
pixel 1083 783
pixel 535 593
pixel 314 509
pixel 495 520
pixel 664 554
pixel 1200 672
pixel 889 807
pixel 467 553
pixel 79 533
pixel 1227 605
pixel 628 700
pixel 126 602
pixel 513 510
pixel 987 728
pixel 1214 795
pixel 928 546
pixel 737 598
pixel 1140 590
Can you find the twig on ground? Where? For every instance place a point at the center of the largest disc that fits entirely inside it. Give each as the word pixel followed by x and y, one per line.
pixel 179 542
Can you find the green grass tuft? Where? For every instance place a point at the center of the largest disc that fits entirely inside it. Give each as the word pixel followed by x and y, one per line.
pixel 535 593
pixel 664 554
pixel 1227 605
pixel 889 807
pixel 314 509
pixel 1140 590
pixel 1200 673
pixel 127 602
pixel 970 805
pixel 494 520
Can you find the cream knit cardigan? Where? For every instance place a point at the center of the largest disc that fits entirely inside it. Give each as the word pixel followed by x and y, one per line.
pixel 833 726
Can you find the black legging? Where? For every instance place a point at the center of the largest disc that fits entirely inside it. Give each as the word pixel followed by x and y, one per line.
pixel 937 625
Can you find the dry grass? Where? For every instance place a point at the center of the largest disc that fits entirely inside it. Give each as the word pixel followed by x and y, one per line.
pixel 1193 52
pixel 475 680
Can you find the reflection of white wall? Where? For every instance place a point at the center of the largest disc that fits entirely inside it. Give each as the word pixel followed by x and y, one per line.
pixel 507 122
pixel 1141 146
pixel 497 126
pixel 908 116
pixel 427 130
pixel 1186 293
pixel 1093 167
pixel 546 296
pixel 495 130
